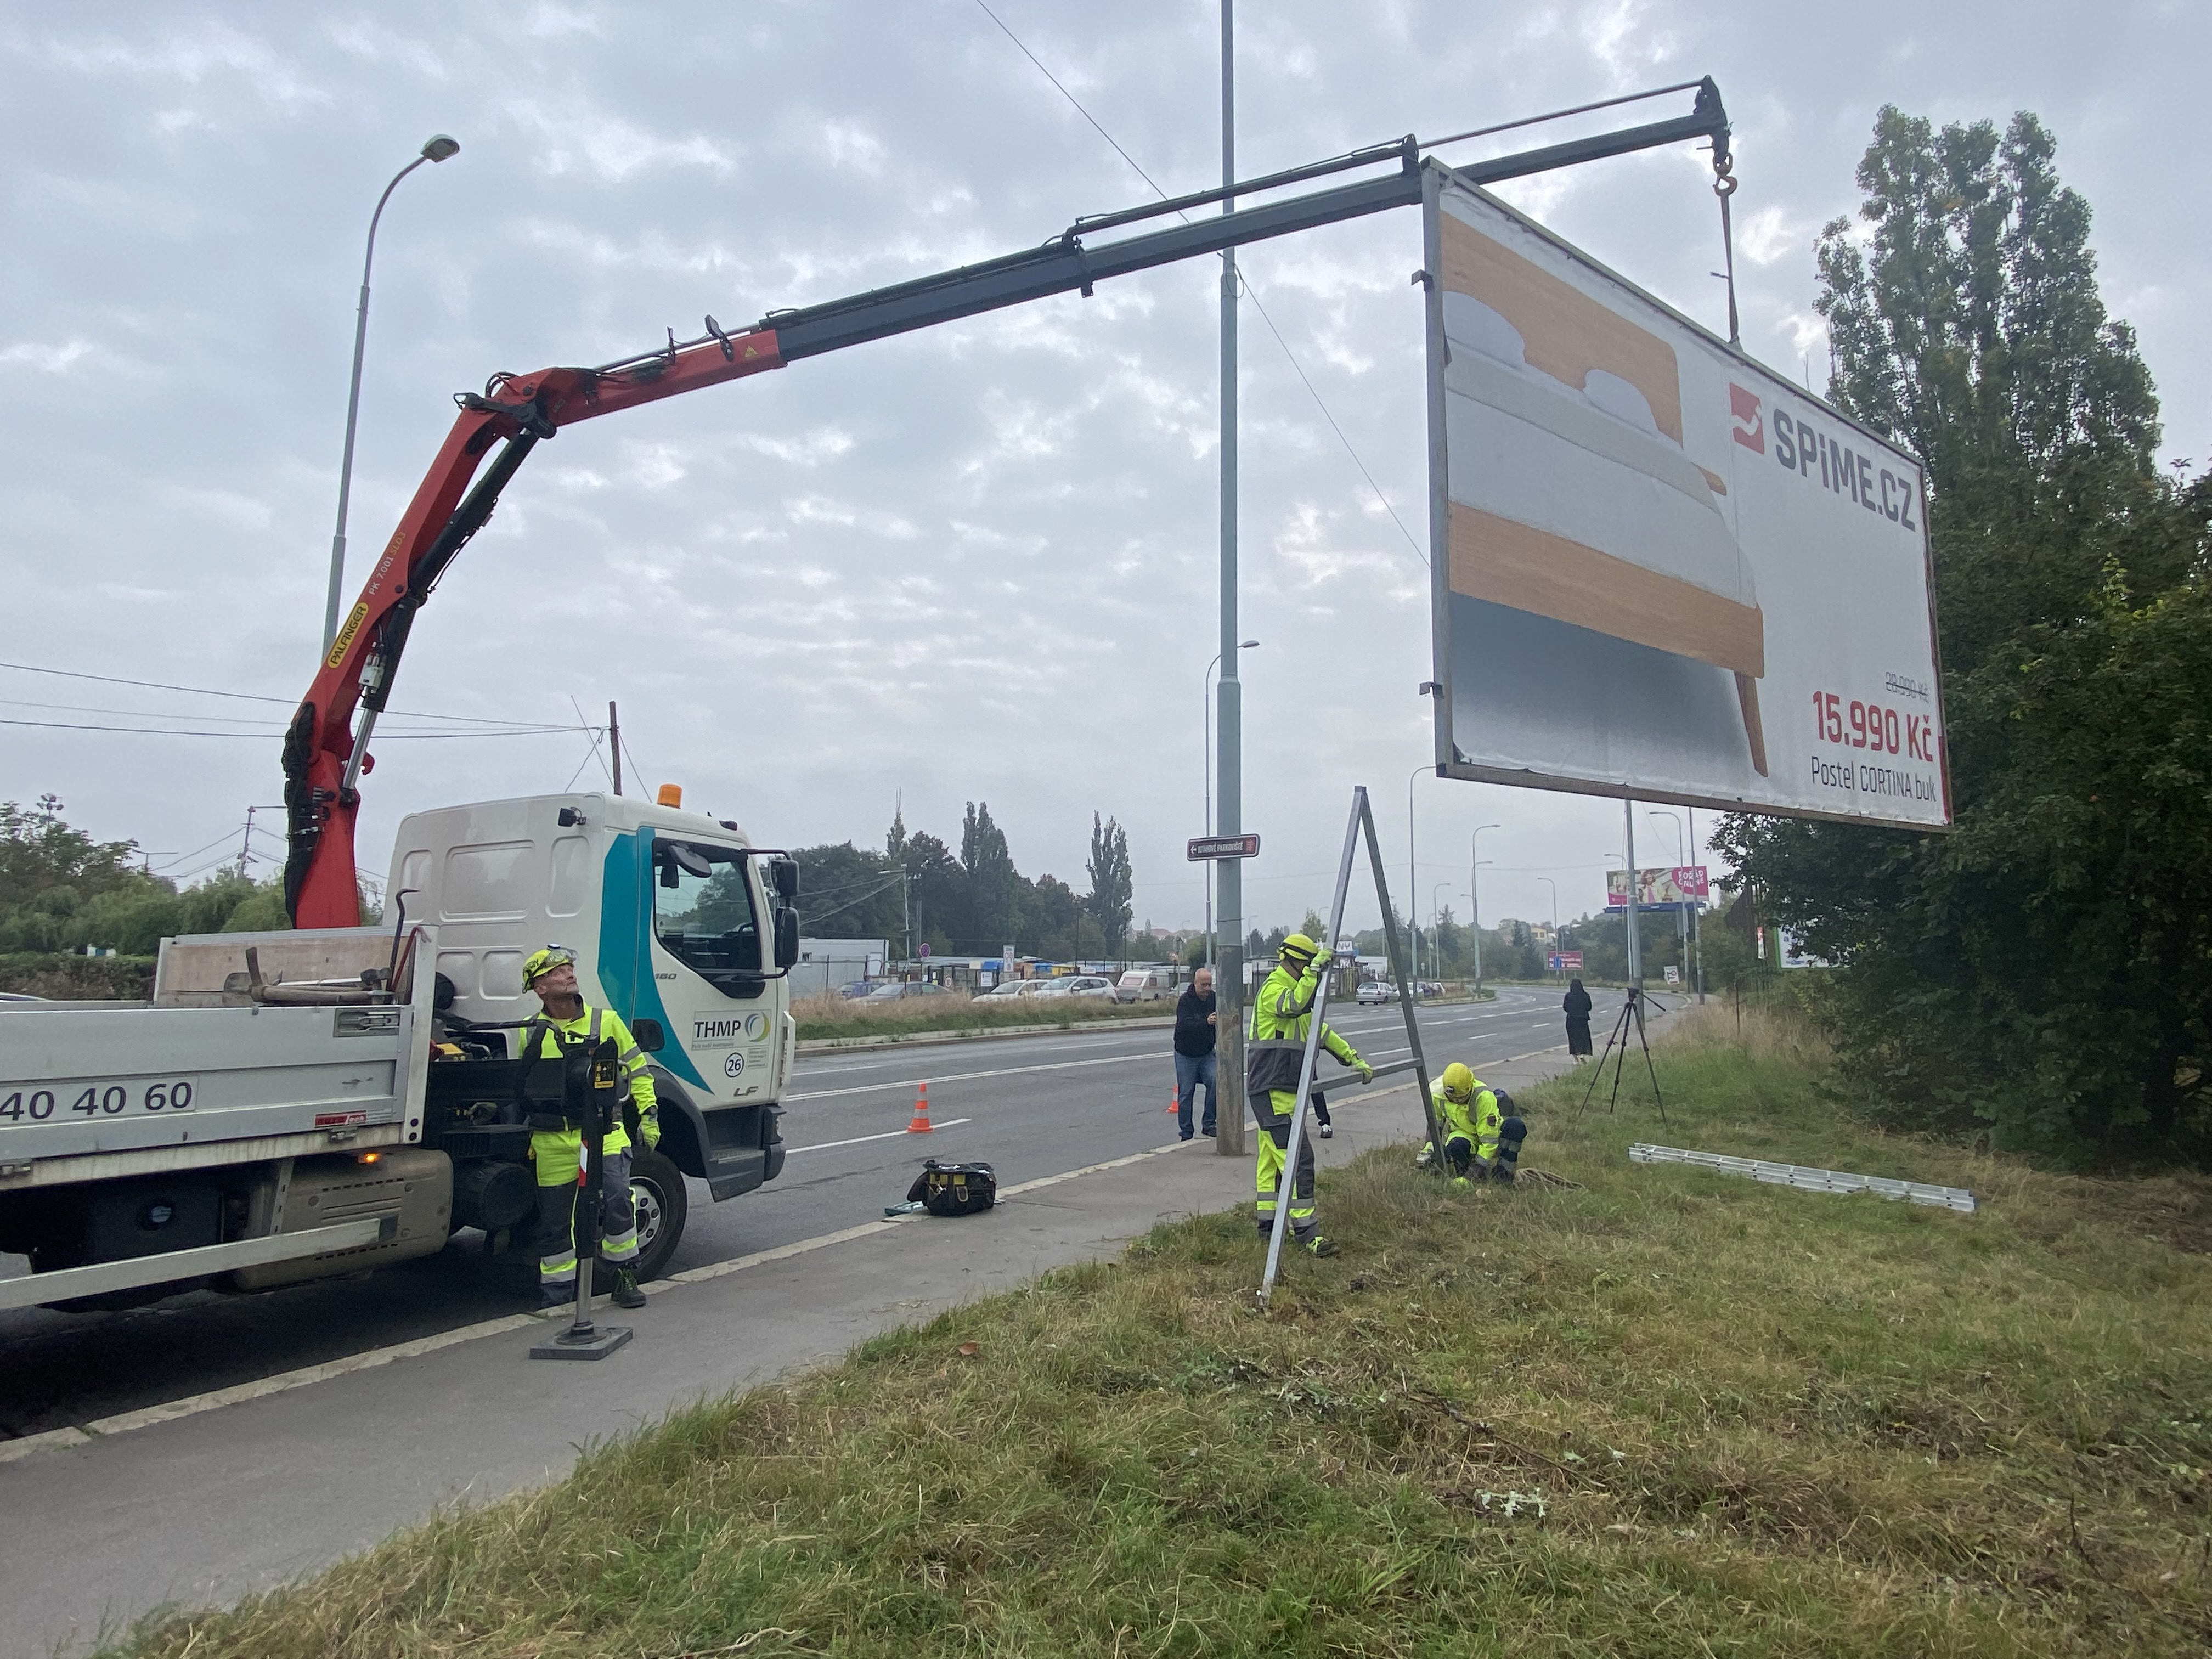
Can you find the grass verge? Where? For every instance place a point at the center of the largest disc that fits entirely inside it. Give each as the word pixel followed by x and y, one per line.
pixel 1669 1413
pixel 835 1017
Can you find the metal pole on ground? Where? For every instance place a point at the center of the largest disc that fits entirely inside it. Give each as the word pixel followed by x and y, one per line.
pixel 1229 984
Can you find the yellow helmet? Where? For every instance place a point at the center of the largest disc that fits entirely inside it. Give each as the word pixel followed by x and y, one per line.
pixel 1458 1083
pixel 544 962
pixel 1298 945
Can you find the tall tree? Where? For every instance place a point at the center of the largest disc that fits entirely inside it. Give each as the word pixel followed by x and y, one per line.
pixel 2046 967
pixel 995 886
pixel 1112 884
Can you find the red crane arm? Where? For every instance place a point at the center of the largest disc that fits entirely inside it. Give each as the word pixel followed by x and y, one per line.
pixel 325 751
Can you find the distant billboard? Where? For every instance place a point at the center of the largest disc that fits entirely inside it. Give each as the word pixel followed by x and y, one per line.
pixel 1565 962
pixel 1660 888
pixel 1664 572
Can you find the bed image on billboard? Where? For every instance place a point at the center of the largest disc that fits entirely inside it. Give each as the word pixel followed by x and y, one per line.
pixel 1672 574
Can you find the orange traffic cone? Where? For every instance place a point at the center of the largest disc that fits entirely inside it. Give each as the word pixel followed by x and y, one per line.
pixel 1175 1099
pixel 920 1124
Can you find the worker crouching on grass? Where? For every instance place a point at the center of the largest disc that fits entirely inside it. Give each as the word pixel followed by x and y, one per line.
pixel 558 1151
pixel 1482 1141
pixel 1282 1016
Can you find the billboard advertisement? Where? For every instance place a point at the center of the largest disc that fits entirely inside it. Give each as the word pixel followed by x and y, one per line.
pixel 1661 889
pixel 1667 573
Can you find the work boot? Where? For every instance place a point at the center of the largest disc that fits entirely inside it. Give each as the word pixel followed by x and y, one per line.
pixel 1321 1245
pixel 1328 1132
pixel 626 1292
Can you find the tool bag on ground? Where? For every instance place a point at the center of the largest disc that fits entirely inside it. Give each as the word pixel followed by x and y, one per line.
pixel 954 1188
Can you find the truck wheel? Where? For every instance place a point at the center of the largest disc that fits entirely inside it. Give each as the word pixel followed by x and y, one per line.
pixel 656 1187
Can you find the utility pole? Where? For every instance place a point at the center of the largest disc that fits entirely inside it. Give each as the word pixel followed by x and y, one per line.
pixel 1475 893
pixel 1697 918
pixel 1414 889
pixel 614 742
pixel 1228 1120
pixel 245 844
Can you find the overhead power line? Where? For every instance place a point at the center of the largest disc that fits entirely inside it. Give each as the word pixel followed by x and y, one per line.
pixel 1245 285
pixel 241 696
pixel 278 731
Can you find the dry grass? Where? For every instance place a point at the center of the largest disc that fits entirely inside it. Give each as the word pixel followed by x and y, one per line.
pixel 1666 1412
pixel 835 1017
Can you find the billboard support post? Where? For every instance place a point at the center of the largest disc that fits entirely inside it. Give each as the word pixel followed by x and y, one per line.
pixel 1635 903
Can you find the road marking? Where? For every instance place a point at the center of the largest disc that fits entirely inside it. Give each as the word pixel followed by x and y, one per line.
pixel 12 1449
pixel 970 1077
pixel 888 1134
pixel 192 1405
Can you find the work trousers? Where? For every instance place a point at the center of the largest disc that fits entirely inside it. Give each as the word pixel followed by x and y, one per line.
pixel 1191 1071
pixel 556 1230
pixel 1274 1155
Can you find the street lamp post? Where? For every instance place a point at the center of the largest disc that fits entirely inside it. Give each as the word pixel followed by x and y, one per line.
pixel 1437 921
pixel 1554 886
pixel 1245 646
pixel 437 147
pixel 1474 894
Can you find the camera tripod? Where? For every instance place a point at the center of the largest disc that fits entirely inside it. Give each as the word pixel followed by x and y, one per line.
pixel 1632 1014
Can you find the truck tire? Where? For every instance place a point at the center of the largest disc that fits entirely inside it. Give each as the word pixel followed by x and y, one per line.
pixel 656 1187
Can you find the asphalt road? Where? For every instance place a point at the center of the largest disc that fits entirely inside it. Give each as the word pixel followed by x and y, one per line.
pixel 1032 1106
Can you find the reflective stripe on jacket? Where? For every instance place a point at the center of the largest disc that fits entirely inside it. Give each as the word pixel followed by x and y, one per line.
pixel 1282 1017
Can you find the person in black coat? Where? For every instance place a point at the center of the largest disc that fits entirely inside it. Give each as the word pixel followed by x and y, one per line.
pixel 1576 1003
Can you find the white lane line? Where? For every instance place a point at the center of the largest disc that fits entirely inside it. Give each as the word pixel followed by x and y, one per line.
pixel 192 1405
pixel 1161 1056
pixel 12 1449
pixel 888 1134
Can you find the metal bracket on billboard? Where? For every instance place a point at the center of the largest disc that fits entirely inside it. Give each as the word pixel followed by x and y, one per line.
pixel 1362 819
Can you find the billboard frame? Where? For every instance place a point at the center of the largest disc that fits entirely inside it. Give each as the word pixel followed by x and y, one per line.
pixel 1435 174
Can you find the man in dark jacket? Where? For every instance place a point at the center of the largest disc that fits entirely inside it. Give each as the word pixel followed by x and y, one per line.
pixel 1194 1032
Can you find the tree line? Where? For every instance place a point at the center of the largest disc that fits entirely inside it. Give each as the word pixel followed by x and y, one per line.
pixel 61 892
pixel 2044 971
pixel 975 903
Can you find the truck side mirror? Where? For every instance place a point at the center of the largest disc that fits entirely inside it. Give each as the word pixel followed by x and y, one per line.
pixel 650 1038
pixel 787 880
pixel 787 938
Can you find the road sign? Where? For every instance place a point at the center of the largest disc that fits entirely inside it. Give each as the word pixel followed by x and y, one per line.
pixel 1203 848
pixel 1674 974
pixel 1564 961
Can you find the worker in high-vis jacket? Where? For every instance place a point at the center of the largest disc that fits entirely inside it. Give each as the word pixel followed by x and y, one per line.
pixel 558 1152
pixel 1482 1140
pixel 1282 1017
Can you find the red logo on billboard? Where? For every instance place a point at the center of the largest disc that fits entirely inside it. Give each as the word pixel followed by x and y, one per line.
pixel 1750 430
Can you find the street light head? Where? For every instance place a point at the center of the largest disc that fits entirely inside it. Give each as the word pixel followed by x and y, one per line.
pixel 1248 644
pixel 439 148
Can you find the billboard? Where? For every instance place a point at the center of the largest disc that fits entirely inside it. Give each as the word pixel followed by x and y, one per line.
pixel 1565 962
pixel 1665 573
pixel 1660 888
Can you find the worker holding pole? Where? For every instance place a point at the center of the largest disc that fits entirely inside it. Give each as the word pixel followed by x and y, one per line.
pixel 557 1147
pixel 1282 1017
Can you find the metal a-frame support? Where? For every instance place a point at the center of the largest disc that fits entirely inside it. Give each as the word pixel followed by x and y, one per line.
pixel 1361 821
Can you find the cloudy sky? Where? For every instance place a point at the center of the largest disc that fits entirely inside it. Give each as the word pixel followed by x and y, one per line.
pixel 977 563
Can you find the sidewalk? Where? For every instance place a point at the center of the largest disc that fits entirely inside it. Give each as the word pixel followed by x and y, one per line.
pixel 205 1507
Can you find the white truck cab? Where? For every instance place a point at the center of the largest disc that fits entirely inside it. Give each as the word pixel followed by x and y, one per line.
pixel 675 921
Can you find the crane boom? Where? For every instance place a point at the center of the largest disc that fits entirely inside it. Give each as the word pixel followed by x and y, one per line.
pixel 326 745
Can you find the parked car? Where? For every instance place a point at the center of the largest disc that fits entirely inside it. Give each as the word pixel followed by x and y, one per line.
pixel 893 990
pixel 859 988
pixel 1145 985
pixel 1376 990
pixel 1096 986
pixel 1007 990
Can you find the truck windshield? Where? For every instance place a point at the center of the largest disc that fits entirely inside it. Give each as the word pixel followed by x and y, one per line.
pixel 703 914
